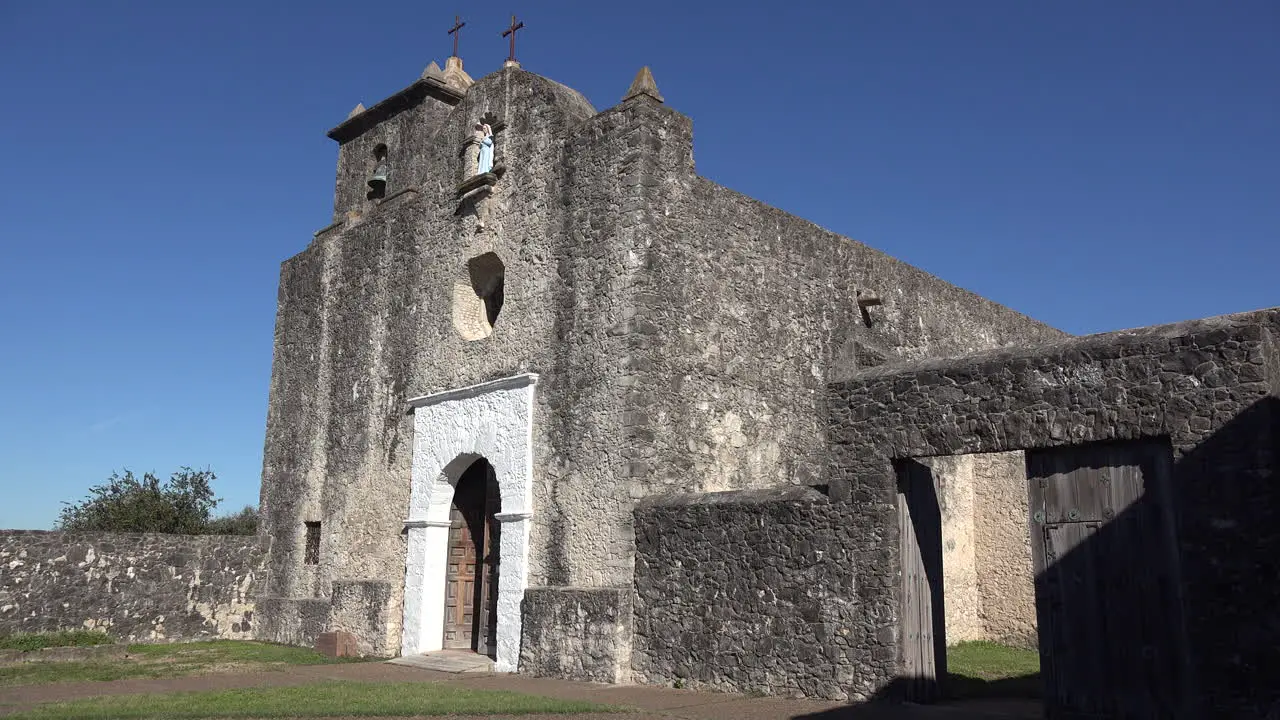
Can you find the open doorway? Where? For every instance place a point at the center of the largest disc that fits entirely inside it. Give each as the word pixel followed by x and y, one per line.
pixel 969 629
pixel 1063 556
pixel 471 576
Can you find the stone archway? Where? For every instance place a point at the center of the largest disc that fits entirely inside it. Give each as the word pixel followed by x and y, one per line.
pixel 452 430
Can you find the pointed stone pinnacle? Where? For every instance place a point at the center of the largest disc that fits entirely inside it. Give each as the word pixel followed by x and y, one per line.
pixel 359 108
pixel 433 71
pixel 643 85
pixel 455 76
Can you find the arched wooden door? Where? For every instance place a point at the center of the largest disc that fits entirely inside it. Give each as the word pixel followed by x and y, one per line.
pixel 471 584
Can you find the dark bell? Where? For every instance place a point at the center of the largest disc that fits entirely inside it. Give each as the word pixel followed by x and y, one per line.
pixel 378 182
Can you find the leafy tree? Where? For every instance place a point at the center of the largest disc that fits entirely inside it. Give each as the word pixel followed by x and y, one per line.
pixel 244 522
pixel 182 504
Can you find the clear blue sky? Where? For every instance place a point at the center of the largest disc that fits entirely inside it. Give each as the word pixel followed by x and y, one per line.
pixel 1095 164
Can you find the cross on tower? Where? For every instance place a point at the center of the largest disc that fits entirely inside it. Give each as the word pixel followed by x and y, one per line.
pixel 457 25
pixel 512 32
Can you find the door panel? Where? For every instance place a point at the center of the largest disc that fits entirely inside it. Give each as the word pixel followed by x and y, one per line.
pixel 923 642
pixel 1107 592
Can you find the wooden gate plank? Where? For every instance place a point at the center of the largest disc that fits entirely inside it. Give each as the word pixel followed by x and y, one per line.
pixel 1107 593
pixel 923 642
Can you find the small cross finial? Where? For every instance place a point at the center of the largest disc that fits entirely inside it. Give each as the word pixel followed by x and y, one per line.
pixel 454 31
pixel 512 32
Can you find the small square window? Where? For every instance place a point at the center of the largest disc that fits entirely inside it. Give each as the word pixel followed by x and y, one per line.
pixel 312 556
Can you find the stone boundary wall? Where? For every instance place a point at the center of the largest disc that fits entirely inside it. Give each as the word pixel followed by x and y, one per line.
pixel 577 633
pixel 134 587
pixel 1208 385
pixel 758 591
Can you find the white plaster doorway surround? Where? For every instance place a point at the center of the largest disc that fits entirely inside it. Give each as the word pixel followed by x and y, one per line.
pixel 451 430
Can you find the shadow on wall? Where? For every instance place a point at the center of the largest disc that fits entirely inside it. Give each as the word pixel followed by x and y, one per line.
pixel 1163 608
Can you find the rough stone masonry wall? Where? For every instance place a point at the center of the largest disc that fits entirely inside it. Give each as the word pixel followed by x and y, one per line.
pixel 1203 384
pixel 651 374
pixel 134 587
pixel 405 134
pixel 759 591
pixel 577 633
pixel 756 311
pixel 365 322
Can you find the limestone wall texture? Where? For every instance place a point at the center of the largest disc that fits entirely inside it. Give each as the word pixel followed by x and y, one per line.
pixel 134 587
pixel 364 322
pixel 758 591
pixel 1002 550
pixel 577 633
pixel 683 335
pixel 954 484
pixel 988 575
pixel 1207 385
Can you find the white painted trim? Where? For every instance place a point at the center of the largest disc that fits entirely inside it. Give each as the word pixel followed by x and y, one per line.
pixel 462 393
pixel 451 430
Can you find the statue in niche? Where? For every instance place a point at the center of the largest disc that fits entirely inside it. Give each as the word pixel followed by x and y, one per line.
pixel 484 133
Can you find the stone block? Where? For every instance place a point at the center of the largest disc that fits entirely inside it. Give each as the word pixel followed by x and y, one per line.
pixel 338 643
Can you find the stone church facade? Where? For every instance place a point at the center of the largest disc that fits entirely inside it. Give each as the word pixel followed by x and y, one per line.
pixel 498 398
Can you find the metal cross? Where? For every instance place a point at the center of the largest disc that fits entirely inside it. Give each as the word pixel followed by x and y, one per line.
pixel 457 25
pixel 512 32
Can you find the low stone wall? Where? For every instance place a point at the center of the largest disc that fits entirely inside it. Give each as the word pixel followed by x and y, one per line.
pixel 135 587
pixel 760 591
pixel 360 608
pixel 577 633
pixel 292 621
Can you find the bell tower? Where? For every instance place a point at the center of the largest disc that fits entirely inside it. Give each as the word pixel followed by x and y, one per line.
pixel 376 145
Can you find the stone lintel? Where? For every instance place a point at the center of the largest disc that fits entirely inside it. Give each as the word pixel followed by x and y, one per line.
pixel 506 383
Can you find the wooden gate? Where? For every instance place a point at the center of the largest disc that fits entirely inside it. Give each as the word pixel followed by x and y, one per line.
pixel 1108 598
pixel 923 639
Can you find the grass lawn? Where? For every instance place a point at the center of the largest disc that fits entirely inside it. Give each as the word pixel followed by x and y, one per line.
pixel 64 638
pixel 327 699
pixel 169 660
pixel 984 669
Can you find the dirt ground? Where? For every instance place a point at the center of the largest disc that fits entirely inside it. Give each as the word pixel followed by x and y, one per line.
pixel 649 701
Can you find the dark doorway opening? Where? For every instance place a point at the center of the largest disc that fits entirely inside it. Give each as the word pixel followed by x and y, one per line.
pixel 471 584
pixel 1109 625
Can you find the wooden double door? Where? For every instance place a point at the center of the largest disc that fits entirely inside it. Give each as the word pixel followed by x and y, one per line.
pixel 471 580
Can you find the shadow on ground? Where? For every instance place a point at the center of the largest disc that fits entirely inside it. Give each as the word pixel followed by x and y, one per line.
pixel 1023 687
pixel 1017 697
